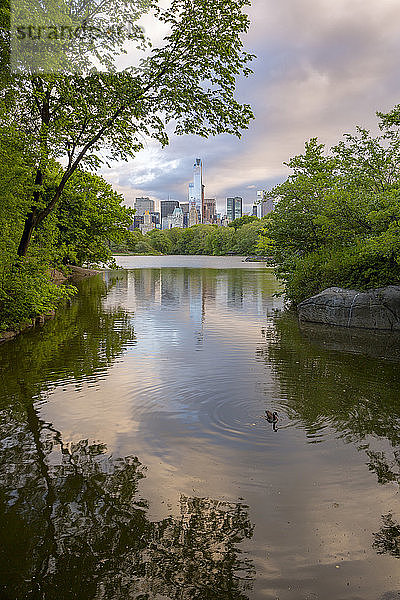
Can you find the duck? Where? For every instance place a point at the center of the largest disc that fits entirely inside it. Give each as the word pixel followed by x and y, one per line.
pixel 272 417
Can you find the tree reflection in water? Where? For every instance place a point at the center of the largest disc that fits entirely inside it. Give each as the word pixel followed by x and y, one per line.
pixel 72 525
pixel 387 539
pixel 348 381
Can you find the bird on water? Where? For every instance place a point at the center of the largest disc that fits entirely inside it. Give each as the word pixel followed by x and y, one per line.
pixel 272 417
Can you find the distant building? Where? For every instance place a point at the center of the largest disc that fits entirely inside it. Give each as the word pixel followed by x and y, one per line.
pixel 155 216
pixel 196 189
pixel 174 220
pixel 137 222
pixel 148 224
pixel 209 210
pixel 193 218
pixel 267 206
pixel 167 207
pixel 234 208
pixel 142 204
pixel 254 213
pixel 224 221
pixel 185 209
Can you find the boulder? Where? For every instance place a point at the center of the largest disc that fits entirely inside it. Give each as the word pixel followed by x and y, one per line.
pixel 372 309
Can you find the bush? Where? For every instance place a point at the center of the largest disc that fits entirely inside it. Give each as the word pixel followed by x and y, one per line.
pixel 26 291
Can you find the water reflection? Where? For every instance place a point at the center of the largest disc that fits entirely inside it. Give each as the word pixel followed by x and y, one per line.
pixel 72 526
pixel 354 395
pixel 79 345
pixel 72 523
pixel 173 370
pixel 387 539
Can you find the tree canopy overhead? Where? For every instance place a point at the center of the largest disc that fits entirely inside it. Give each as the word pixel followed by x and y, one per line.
pixel 185 85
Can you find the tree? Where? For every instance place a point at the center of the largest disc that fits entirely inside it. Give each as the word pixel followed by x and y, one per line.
pixel 247 236
pixel 240 221
pixel 86 117
pixel 336 221
pixel 160 241
pixel 90 218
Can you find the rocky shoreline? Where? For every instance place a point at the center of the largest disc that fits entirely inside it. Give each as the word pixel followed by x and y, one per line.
pixel 376 309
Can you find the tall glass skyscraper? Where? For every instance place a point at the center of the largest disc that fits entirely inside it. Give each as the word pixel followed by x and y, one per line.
pixel 196 189
pixel 234 208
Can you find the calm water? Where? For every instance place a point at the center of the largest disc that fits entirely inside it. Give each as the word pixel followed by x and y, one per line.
pixel 136 462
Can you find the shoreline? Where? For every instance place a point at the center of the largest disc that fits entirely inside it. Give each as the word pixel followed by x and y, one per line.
pixel 76 274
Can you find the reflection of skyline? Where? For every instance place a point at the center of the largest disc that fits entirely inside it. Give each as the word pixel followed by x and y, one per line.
pixel 194 419
pixel 202 288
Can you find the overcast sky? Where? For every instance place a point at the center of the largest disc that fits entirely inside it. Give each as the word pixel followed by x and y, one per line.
pixel 322 67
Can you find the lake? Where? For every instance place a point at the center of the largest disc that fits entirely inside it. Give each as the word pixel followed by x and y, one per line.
pixel 137 461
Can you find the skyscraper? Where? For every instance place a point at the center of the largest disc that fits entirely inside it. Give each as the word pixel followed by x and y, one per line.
pixel 196 189
pixel 148 224
pixel 167 207
pixel 209 212
pixel 234 208
pixel 267 206
pixel 142 204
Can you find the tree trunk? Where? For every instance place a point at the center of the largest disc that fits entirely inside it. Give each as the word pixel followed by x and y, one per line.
pixel 32 218
pixel 30 224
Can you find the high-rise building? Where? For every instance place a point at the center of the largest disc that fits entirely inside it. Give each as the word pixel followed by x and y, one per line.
pixel 193 216
pixel 155 216
pixel 254 213
pixel 167 207
pixel 196 189
pixel 209 210
pixel 185 209
pixel 142 204
pixel 267 206
pixel 174 220
pixel 234 208
pixel 148 224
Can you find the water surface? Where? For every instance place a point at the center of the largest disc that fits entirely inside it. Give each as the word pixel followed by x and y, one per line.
pixel 136 461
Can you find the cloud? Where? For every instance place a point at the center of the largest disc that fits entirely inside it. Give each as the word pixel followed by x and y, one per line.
pixel 322 68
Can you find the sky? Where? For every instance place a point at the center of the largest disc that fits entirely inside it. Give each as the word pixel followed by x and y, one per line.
pixel 322 67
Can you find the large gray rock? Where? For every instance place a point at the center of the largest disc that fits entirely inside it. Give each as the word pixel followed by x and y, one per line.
pixel 374 309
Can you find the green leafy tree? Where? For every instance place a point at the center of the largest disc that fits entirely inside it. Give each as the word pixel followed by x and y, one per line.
pixel 87 117
pixel 247 236
pixel 240 221
pixel 160 241
pixel 89 219
pixel 336 220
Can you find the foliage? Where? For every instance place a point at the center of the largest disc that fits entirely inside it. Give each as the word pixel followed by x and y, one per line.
pixel 82 116
pixel 26 291
pixel 240 221
pixel 199 239
pixel 76 111
pixel 337 217
pixel 90 218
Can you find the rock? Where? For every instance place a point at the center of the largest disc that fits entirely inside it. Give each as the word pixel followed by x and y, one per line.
pixel 372 309
pixel 7 335
pixel 81 272
pixel 57 276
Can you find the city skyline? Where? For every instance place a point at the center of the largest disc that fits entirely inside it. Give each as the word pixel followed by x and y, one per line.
pixel 320 70
pixel 206 208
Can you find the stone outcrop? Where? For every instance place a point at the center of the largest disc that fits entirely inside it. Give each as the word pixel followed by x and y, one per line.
pixel 372 309
pixel 80 272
